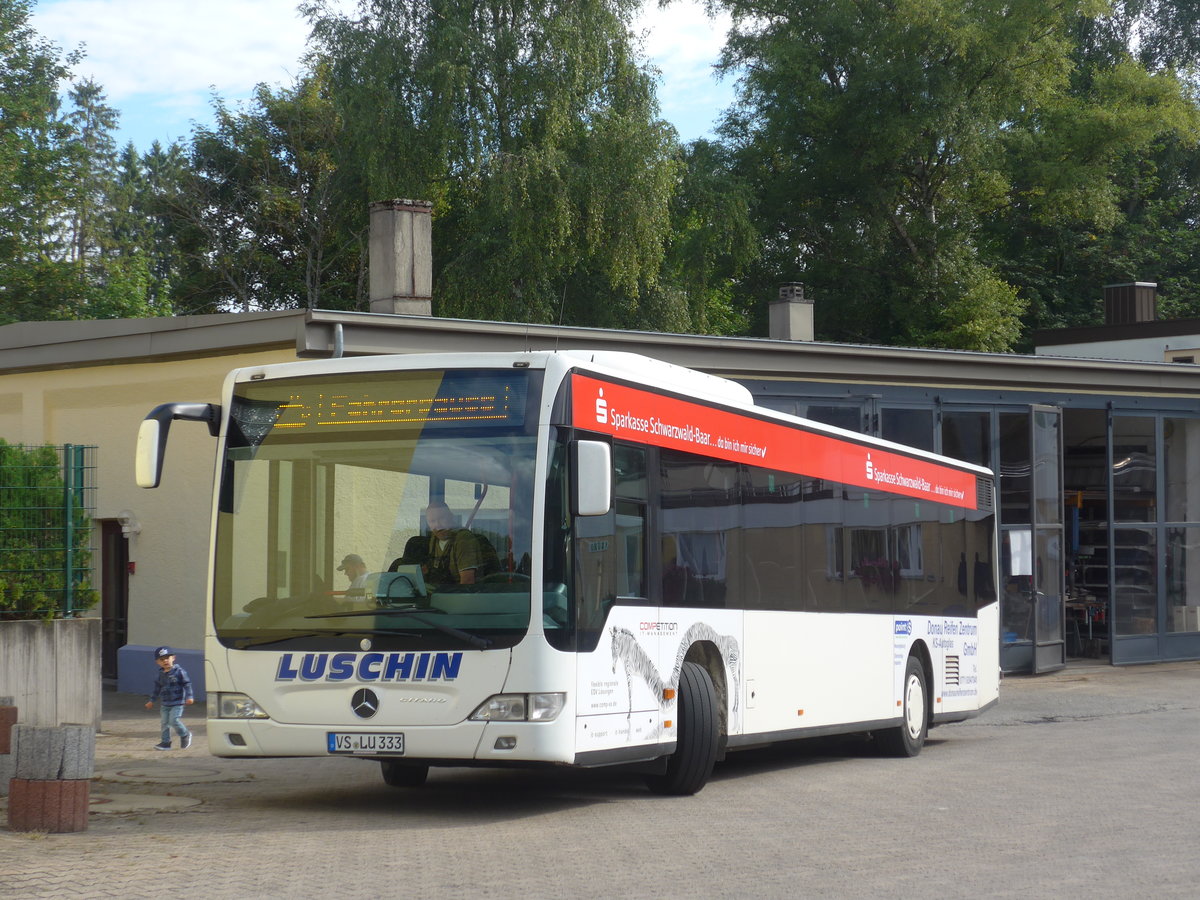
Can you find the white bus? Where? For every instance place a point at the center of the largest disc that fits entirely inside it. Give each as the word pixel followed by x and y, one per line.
pixel 655 572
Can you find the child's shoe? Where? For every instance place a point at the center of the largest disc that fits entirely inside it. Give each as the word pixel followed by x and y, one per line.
pixel 165 745
pixel 185 742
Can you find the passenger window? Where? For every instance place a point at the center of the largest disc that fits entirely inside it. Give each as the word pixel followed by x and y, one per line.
pixel 701 521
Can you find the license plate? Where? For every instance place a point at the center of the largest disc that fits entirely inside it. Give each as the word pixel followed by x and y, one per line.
pixel 368 744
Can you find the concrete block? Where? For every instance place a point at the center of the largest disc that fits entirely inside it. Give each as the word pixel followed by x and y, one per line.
pixel 8 763
pixel 55 807
pixel 8 718
pixel 52 669
pixel 54 752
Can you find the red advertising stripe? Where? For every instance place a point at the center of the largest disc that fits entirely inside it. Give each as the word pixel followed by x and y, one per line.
pixel 648 418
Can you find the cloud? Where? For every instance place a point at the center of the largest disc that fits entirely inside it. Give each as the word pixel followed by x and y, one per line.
pixel 159 61
pixel 173 47
pixel 682 38
pixel 684 43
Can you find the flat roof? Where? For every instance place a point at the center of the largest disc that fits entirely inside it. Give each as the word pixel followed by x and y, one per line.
pixel 1087 334
pixel 32 346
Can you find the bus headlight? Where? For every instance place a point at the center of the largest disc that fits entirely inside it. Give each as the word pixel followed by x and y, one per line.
pixel 237 706
pixel 520 708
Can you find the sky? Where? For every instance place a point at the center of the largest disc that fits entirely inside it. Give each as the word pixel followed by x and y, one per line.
pixel 160 61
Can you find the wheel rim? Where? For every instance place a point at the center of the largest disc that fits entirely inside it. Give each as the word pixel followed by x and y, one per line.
pixel 914 707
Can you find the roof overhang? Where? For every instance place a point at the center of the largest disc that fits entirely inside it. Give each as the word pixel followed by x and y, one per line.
pixel 31 346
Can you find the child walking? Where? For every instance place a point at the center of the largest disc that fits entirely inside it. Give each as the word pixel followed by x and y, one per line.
pixel 175 690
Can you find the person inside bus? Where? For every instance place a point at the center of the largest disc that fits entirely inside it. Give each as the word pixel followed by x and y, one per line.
pixel 454 553
pixel 356 571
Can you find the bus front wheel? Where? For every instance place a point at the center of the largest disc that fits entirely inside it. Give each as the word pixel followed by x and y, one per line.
pixel 908 738
pixel 691 764
pixel 397 774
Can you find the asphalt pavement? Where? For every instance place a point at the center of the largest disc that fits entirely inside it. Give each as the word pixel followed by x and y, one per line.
pixel 1083 783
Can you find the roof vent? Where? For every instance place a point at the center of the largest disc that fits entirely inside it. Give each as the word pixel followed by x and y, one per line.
pixel 1127 304
pixel 400 257
pixel 792 314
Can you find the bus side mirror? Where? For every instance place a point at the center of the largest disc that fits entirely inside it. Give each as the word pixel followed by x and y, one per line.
pixel 152 436
pixel 591 485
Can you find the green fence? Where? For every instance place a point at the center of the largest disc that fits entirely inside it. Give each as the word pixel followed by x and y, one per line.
pixel 47 496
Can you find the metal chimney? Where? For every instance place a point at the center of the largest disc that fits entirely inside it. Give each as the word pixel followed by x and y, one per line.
pixel 400 257
pixel 1128 304
pixel 792 314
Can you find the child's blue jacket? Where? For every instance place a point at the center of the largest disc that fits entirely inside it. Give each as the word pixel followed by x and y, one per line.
pixel 173 686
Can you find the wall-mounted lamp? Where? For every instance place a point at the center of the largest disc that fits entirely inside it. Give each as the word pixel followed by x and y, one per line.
pixel 129 523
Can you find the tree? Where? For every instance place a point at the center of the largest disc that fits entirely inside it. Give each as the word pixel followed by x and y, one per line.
pixel 262 217
pixel 60 257
pixel 712 244
pixel 143 191
pixel 885 140
pixel 1148 230
pixel 533 128
pixel 93 156
pixel 32 157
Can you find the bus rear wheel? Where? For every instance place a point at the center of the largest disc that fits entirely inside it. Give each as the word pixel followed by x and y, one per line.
pixel 908 738
pixel 691 764
pixel 398 774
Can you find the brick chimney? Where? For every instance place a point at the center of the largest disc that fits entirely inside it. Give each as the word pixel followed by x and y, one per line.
pixel 400 257
pixel 792 314
pixel 1128 304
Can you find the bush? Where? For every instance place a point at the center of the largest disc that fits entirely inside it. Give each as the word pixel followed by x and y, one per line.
pixel 45 536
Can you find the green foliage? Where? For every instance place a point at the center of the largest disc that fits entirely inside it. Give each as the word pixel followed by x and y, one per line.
pixel 985 313
pixel 938 172
pixel 258 211
pixel 533 129
pixel 712 243
pixel 36 544
pixel 32 163
pixel 62 253
pixel 889 142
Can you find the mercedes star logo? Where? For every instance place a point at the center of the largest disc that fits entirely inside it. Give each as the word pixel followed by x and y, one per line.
pixel 364 703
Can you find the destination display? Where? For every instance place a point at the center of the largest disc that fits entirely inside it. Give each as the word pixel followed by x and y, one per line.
pixel 484 399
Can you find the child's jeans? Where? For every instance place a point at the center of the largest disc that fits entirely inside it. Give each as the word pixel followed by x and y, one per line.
pixel 171 719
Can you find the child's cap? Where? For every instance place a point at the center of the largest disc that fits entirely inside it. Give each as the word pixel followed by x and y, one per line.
pixel 162 652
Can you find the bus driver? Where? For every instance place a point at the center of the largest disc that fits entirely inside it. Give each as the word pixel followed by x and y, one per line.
pixel 454 554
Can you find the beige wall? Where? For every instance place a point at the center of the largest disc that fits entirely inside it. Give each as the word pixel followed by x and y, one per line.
pixel 103 406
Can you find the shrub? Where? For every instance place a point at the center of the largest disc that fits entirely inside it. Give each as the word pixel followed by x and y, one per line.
pixel 45 534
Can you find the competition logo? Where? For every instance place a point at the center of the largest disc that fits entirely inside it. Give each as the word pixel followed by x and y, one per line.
pixel 364 703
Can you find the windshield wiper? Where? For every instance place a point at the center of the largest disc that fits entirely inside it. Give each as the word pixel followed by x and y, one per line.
pixel 466 637
pixel 316 632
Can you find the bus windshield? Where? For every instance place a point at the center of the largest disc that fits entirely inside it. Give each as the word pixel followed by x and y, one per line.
pixel 377 510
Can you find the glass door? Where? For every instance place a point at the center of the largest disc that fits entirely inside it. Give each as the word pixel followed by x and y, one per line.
pixel 1032 564
pixel 1133 538
pixel 1049 569
pixel 1181 499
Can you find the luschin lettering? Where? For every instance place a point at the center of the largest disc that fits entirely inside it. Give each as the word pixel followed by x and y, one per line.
pixel 369 667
